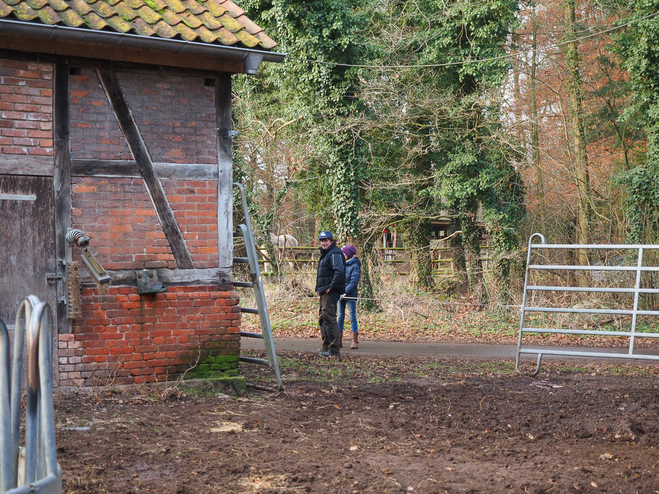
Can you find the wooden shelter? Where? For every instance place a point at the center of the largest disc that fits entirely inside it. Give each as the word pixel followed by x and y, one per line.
pixel 115 126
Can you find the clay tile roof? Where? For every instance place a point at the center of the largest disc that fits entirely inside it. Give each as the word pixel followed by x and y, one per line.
pixel 37 4
pixel 103 9
pixel 142 28
pixel 194 7
pixel 59 5
pixel 214 8
pixel 71 18
pixel 203 21
pixel 175 5
pixel 95 21
pixel 233 9
pixel 48 16
pixel 24 12
pixel 125 12
pixel 5 9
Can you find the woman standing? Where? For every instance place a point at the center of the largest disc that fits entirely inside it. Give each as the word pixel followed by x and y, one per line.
pixel 353 274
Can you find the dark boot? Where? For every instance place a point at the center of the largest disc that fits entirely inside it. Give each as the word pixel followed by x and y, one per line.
pixel 355 341
pixel 339 340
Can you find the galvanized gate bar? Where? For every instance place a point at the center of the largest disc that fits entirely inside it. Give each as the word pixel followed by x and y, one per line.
pixel 627 312
pixel 591 246
pixel 556 267
pixel 590 289
pixel 42 473
pixel 5 411
pixel 639 269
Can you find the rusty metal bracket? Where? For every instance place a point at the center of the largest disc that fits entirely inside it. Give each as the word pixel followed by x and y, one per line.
pixel 148 282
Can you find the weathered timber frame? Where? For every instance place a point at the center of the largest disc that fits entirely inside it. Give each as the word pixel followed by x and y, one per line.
pixel 43 166
pixel 142 158
pixel 62 186
pixel 126 277
pixel 63 168
pixel 224 170
pixel 111 168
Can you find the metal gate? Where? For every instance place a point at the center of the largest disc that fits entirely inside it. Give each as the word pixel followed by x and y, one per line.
pixel 621 280
pixel 33 468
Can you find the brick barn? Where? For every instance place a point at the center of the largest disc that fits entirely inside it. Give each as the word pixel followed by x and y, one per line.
pixel 115 125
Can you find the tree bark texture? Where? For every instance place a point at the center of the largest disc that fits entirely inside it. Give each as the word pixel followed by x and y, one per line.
pixel 580 155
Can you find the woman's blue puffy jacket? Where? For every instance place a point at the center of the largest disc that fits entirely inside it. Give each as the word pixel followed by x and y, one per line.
pixel 353 274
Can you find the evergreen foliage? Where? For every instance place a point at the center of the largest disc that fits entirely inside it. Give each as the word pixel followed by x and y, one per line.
pixel 639 47
pixel 377 147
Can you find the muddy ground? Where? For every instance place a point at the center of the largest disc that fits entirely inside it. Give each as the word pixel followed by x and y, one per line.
pixel 364 425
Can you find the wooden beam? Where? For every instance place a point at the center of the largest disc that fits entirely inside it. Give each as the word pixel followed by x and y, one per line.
pixel 207 72
pixel 62 186
pixel 175 277
pixel 124 168
pixel 118 53
pixel 38 166
pixel 141 155
pixel 224 170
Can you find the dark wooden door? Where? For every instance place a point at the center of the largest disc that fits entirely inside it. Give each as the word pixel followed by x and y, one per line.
pixel 27 243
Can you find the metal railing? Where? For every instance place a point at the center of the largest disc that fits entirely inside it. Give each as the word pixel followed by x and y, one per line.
pixel 32 468
pixel 596 272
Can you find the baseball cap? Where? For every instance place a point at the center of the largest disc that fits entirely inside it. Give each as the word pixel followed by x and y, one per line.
pixel 325 234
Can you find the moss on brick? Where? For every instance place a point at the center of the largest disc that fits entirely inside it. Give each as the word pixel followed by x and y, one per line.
pixel 215 366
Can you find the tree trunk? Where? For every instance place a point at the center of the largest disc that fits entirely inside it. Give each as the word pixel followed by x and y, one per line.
pixel 580 155
pixel 458 257
pixel 471 238
pixel 535 138
pixel 418 244
pixel 366 293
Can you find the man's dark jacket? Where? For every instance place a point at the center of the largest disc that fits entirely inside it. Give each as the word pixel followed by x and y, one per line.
pixel 331 271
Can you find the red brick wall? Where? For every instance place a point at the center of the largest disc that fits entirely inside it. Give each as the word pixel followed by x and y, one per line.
pixel 26 108
pixel 175 115
pixel 125 338
pixel 94 131
pixel 119 217
pixel 122 337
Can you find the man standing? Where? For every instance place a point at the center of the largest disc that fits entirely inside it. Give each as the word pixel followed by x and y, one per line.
pixel 330 284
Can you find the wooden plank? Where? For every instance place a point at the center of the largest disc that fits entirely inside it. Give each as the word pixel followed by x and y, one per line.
pixel 174 277
pixel 120 168
pixel 119 53
pixel 141 155
pixel 27 243
pixel 36 166
pixel 206 72
pixel 224 170
pixel 62 187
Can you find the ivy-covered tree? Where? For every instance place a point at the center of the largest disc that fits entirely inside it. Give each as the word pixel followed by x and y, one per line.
pixel 310 87
pixel 638 46
pixel 315 93
pixel 433 123
pixel 388 115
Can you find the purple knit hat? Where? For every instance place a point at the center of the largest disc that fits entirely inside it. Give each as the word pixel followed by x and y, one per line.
pixel 349 251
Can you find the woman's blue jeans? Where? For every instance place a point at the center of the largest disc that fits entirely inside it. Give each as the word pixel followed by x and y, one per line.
pixel 352 309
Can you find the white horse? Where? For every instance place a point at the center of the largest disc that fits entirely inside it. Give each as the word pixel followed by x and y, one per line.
pixel 281 243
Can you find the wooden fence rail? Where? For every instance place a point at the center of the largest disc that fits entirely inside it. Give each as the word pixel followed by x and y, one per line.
pixel 295 258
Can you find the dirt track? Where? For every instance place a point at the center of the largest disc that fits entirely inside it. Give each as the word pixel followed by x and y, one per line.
pixel 366 425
